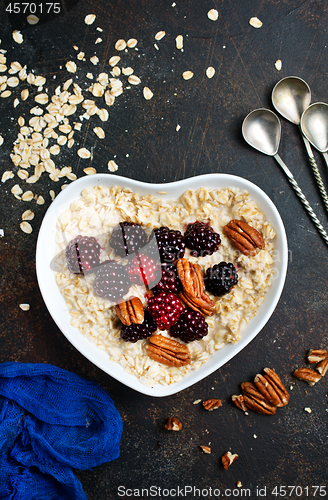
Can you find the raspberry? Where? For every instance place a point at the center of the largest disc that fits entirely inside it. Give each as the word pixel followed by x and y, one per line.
pixel 111 281
pixel 170 281
pixel 135 332
pixel 190 326
pixel 82 254
pixel 127 238
pixel 201 239
pixel 165 308
pixel 221 278
pixel 142 270
pixel 171 245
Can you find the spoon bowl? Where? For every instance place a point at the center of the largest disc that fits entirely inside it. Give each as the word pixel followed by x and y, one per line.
pixel 261 129
pixel 290 97
pixel 314 125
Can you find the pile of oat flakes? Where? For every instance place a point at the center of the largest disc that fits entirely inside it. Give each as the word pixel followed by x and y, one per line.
pixel 55 116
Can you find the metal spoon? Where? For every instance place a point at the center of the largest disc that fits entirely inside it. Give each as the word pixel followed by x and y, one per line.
pixel 314 125
pixel 261 129
pixel 291 96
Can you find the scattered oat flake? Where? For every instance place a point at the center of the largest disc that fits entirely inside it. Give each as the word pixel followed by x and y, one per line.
pixel 24 307
pixel 112 166
pixel 187 75
pixel 179 42
pixel 255 22
pixel 159 35
pixel 17 36
pixel 308 410
pixel 7 175
pixel 177 128
pixel 278 64
pixel 197 401
pixel 131 43
pixel 114 60
pixel 1 140
pixel 147 93
pixel 2 233
pixel 71 66
pixel 99 40
pixel 134 80
pixel 52 194
pixel 84 153
pixel 94 60
pixel 27 196
pixel 210 72
pixel 28 215
pixel 213 15
pixel 99 132
pixel 26 227
pixel 89 19
pixel 120 44
pixel 32 19
pixel 89 170
pixel 6 93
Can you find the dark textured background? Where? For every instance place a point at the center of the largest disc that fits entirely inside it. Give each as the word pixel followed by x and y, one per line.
pixel 291 447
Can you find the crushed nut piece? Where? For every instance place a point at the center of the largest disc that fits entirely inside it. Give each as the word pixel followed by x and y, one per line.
pixel 212 404
pixel 228 458
pixel 316 355
pixel 206 449
pixel 322 367
pixel 173 424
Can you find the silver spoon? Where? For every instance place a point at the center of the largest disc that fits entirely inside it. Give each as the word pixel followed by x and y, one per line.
pixel 314 125
pixel 261 129
pixel 291 96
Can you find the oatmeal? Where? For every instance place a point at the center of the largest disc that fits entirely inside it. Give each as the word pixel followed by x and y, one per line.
pixel 100 209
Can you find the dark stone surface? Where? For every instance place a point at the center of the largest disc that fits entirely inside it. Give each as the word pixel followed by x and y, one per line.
pixel 291 447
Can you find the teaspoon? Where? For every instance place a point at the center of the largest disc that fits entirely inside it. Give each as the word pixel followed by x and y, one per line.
pixel 291 96
pixel 314 125
pixel 261 129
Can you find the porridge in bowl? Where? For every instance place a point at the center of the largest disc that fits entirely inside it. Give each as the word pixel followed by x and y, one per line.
pixel 161 284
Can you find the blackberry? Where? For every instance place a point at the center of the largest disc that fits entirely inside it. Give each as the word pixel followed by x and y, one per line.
pixel 82 254
pixel 220 278
pixel 142 270
pixel 134 332
pixel 165 309
pixel 190 326
pixel 171 245
pixel 111 281
pixel 201 239
pixel 170 281
pixel 127 238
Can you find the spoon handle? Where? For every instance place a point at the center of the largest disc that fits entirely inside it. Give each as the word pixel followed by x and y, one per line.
pixel 302 198
pixel 316 172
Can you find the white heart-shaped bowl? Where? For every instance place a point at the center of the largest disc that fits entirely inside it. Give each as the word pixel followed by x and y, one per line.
pixel 56 303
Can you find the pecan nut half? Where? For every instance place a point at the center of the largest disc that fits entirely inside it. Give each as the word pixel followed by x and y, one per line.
pixel 244 237
pixel 212 404
pixel 238 400
pixel 275 385
pixel 307 374
pixel 254 400
pixel 228 458
pixel 131 311
pixel 193 294
pixel 317 355
pixel 167 351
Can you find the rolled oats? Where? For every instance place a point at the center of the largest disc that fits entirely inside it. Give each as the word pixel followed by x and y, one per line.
pixel 120 44
pixel 255 22
pixel 95 317
pixel 32 19
pixel 159 35
pixel 186 75
pixel 89 170
pixel 71 66
pixel 84 153
pixel 89 19
pixel 112 166
pixel 26 227
pixel 17 36
pixel 147 93
pixel 213 15
pixel 210 72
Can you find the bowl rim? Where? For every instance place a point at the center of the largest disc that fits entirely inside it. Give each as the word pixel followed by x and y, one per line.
pixel 46 277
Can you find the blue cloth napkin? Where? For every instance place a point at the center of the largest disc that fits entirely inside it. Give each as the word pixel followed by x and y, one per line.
pixel 52 421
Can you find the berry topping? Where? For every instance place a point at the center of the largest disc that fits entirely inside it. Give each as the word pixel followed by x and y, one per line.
pixel 135 332
pixel 128 238
pixel 220 278
pixel 190 326
pixel 142 270
pixel 201 239
pixel 171 245
pixel 170 281
pixel 111 281
pixel 165 308
pixel 82 254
